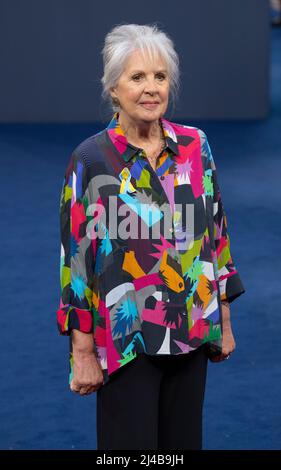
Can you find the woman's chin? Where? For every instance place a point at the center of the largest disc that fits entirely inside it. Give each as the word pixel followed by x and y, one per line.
pixel 149 115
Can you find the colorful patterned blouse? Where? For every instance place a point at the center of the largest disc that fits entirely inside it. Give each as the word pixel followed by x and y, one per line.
pixel 156 287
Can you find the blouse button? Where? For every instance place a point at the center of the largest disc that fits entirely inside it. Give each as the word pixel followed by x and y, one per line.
pixel 162 177
pixel 180 284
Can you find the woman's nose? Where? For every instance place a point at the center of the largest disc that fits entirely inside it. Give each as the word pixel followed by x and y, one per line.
pixel 150 86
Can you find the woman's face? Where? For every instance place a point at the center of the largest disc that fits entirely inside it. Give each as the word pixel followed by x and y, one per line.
pixel 143 88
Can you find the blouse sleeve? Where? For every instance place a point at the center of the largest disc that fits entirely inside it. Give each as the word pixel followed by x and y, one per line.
pixel 230 283
pixel 77 307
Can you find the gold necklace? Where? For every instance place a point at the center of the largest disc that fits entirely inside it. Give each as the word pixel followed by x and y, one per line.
pixel 163 144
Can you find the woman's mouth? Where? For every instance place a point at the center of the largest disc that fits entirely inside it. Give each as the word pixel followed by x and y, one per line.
pixel 149 104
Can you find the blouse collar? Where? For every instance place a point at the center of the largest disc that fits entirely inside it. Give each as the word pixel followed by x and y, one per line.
pixel 128 150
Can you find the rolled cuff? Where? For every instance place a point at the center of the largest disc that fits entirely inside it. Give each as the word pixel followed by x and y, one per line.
pixel 69 317
pixel 231 286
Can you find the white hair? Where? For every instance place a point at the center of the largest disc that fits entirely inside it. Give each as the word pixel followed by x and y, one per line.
pixel 122 40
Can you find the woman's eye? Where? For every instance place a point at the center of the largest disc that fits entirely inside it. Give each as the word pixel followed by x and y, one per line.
pixel 158 76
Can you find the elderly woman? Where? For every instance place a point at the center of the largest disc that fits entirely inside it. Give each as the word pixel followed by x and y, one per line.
pixel 146 270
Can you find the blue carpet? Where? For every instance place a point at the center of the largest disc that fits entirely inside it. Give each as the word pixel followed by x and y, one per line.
pixel 242 406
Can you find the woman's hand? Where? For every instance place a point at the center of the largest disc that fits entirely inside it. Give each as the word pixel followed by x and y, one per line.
pixel 87 372
pixel 228 341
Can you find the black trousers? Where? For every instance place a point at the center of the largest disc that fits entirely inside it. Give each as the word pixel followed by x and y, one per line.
pixel 154 403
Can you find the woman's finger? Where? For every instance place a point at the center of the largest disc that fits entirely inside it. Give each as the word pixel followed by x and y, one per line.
pixel 83 389
pixel 86 390
pixel 74 388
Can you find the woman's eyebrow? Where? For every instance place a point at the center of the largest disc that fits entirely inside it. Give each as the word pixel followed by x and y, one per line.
pixel 141 71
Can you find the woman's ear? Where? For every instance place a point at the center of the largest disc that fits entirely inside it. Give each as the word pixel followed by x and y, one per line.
pixel 112 92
